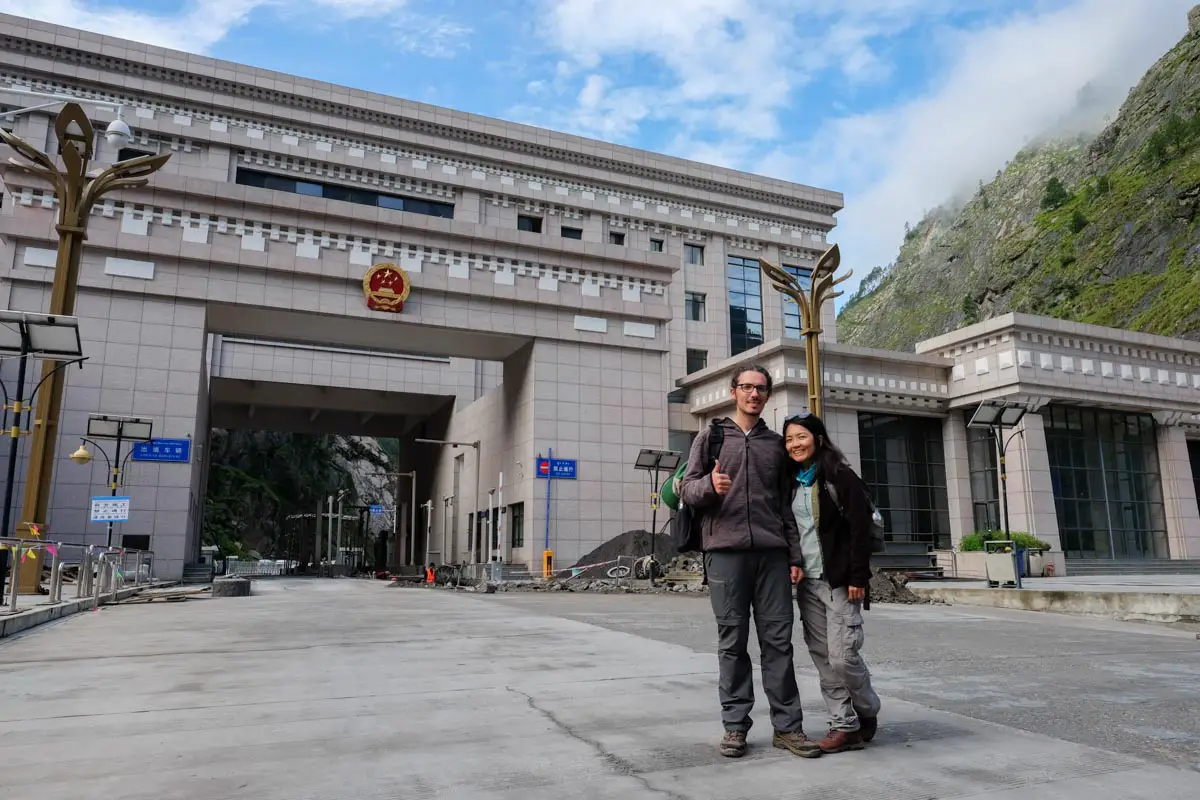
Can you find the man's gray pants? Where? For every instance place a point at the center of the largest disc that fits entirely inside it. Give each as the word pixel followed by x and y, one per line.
pixel 833 631
pixel 758 580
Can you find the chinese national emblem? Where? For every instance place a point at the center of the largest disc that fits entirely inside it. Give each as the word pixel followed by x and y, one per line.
pixel 386 287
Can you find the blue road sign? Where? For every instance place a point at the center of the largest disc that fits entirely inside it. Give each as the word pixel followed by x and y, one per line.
pixel 376 510
pixel 557 468
pixel 173 451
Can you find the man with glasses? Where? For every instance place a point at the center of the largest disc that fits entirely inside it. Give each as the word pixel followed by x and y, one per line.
pixel 753 557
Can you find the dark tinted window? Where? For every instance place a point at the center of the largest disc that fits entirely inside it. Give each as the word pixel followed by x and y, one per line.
pixel 348 194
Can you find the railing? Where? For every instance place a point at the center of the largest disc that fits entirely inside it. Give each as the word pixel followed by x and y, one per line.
pixel 261 568
pixel 103 571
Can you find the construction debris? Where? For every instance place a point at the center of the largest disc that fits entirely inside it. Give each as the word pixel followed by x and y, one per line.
pixel 888 587
pixel 629 545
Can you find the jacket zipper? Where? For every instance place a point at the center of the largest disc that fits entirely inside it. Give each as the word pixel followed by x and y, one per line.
pixel 746 472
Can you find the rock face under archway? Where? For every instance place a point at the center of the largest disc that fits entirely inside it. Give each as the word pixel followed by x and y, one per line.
pixel 231 587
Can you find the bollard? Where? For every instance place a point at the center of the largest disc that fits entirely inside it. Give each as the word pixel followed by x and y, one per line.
pixel 55 574
pixel 95 585
pixel 14 578
pixel 83 584
pixel 57 583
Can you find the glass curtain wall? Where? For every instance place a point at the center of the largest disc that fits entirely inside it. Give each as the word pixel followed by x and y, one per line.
pixel 791 311
pixel 904 465
pixel 744 281
pixel 1107 486
pixel 984 467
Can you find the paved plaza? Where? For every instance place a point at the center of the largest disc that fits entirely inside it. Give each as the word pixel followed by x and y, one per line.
pixel 324 690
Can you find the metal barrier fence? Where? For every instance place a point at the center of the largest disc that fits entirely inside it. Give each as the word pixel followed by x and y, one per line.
pixel 264 567
pixel 102 571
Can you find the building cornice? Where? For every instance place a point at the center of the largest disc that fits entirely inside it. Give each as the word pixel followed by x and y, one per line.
pixel 1061 333
pixel 311 243
pixel 31 39
pixel 795 347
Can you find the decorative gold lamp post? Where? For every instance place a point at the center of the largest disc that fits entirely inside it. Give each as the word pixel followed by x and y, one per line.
pixel 76 192
pixel 820 289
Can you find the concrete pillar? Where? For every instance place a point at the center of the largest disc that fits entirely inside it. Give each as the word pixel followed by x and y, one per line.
pixel 958 478
pixel 1030 489
pixel 842 424
pixel 1179 493
pixel 468 207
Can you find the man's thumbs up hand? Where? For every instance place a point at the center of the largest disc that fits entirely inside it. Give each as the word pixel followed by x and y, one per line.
pixel 720 480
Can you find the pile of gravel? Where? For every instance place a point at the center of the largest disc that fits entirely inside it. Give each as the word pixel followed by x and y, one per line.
pixel 631 544
pixel 887 587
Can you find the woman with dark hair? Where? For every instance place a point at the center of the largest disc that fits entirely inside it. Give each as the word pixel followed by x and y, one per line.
pixel 829 502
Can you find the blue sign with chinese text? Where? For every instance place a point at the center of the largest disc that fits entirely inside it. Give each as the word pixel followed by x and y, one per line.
pixel 173 451
pixel 376 510
pixel 557 468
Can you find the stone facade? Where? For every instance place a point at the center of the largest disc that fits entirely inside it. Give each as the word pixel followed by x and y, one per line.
pixel 567 295
pixel 547 308
pixel 1032 362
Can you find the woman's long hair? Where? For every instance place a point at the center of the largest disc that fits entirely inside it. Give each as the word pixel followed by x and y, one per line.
pixel 828 457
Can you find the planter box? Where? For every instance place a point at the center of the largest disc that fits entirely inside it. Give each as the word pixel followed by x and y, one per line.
pixel 954 564
pixel 970 566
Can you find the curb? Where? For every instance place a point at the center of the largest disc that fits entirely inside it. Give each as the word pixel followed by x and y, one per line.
pixel 1132 606
pixel 40 615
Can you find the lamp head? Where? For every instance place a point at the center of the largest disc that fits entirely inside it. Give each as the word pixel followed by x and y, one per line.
pixel 81 456
pixel 118 133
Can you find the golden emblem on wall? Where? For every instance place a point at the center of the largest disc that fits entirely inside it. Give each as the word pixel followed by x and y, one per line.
pixel 386 287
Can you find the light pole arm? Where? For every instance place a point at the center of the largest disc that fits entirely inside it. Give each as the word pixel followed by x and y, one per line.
pixel 96 445
pixel 51 373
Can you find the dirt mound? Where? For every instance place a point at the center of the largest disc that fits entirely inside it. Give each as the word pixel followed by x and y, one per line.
pixel 630 544
pixel 890 588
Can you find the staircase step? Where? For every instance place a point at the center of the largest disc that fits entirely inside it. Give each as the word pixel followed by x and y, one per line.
pixel 1085 567
pixel 194 574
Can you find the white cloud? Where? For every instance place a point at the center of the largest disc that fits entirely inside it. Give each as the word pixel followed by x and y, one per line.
pixel 731 78
pixel 1003 86
pixel 200 24
pixel 729 66
pixel 195 29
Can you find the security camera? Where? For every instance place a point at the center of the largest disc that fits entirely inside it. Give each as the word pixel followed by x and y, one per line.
pixel 118 133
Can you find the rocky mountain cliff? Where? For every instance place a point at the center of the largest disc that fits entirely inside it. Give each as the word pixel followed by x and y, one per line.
pixel 1099 230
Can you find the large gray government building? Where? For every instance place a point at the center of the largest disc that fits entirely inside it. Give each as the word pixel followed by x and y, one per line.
pixel 564 294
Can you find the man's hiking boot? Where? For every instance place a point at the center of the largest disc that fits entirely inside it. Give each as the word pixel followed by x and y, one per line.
pixel 734 744
pixel 867 727
pixel 796 743
pixel 839 741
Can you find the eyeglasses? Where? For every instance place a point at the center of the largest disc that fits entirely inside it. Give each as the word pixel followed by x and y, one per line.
pixel 750 388
pixel 803 415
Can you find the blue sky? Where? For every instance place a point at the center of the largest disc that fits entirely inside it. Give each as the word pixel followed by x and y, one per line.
pixel 899 104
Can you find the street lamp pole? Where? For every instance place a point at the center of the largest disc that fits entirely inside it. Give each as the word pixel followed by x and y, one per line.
pixel 76 193
pixel 475 444
pixel 27 336
pixel 820 289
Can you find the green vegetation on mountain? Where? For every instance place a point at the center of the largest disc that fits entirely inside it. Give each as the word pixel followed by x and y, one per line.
pixel 1099 230
pixel 257 478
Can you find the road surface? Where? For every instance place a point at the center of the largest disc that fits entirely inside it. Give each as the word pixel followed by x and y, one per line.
pixel 336 689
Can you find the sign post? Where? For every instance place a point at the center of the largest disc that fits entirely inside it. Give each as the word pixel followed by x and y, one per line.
pixel 551 469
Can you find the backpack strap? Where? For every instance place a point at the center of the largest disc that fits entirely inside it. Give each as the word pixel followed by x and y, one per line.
pixel 716 439
pixel 829 487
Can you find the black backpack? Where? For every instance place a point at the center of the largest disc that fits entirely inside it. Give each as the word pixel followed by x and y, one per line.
pixel 686 527
pixel 877 525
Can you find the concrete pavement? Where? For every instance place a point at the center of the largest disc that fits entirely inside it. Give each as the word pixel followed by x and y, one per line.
pixel 348 689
